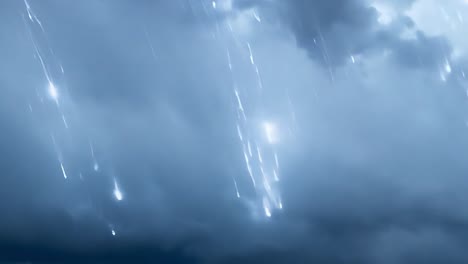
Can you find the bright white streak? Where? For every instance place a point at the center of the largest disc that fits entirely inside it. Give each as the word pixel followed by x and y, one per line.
pixel 266 207
pixel 63 171
pixel 275 176
pixel 250 54
pixel 239 132
pixel 259 155
pixel 276 161
pixel 251 175
pixel 257 17
pixel 117 193
pixel 229 59
pixel 237 189
pixel 249 148
pixel 239 102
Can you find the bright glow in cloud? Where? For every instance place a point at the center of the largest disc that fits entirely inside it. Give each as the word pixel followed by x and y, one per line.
pixel 53 91
pixel 117 193
pixel 271 132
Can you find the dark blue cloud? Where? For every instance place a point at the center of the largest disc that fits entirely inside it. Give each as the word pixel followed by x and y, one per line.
pixel 374 172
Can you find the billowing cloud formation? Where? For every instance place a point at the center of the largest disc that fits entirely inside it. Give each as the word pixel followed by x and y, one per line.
pixel 133 156
pixel 333 32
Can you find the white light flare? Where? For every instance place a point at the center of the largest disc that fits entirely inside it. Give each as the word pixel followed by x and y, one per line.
pixel 271 132
pixel 96 166
pixel 448 67
pixel 53 93
pixel 113 232
pixel 117 193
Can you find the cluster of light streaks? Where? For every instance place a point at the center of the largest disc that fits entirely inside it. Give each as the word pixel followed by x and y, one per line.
pixel 54 94
pixel 51 90
pixel 257 131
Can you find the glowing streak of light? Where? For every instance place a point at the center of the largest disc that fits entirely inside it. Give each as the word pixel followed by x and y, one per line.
pixel 259 78
pixel 275 176
pixel 246 158
pixel 352 59
pixel 113 232
pixel 443 77
pixel 250 54
pixel 326 55
pixel 266 207
pixel 32 17
pixel 263 172
pixel 249 148
pixel 213 4
pixel 267 185
pixel 257 17
pixel 239 132
pixel 252 61
pixel 63 171
pixel 276 160
pixel 249 169
pixel 260 159
pixel 237 189
pixel 28 9
pixel 239 102
pixel 65 121
pixel 95 163
pixel 117 193
pixel 150 44
pixel 229 59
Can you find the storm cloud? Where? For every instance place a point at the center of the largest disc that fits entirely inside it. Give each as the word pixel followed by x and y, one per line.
pixel 123 135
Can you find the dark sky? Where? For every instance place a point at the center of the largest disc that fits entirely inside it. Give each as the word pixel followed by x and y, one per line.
pixel 233 131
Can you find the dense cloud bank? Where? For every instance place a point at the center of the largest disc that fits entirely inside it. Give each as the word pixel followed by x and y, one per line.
pixel 133 160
